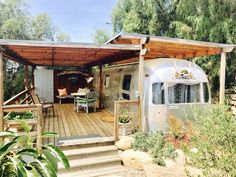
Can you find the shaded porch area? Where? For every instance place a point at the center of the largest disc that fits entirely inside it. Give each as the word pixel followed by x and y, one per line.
pixel 70 124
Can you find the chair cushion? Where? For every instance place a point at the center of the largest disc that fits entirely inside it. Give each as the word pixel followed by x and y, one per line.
pixel 62 92
pixel 86 100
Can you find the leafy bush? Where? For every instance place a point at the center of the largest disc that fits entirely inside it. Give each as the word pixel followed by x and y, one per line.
pixel 20 157
pixel 140 141
pixel 156 145
pixel 216 142
pixel 19 115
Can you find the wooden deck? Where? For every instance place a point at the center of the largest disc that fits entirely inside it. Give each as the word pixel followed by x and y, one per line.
pixel 70 124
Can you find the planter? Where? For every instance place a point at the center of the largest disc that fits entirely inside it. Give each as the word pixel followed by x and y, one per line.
pixel 125 128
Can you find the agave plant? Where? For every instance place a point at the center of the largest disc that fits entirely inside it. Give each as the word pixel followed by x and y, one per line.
pixel 19 157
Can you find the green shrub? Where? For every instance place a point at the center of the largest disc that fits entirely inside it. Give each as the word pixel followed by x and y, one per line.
pixel 140 141
pixel 156 145
pixel 20 115
pixel 216 142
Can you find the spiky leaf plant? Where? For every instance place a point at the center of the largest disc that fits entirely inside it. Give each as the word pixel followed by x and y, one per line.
pixel 20 157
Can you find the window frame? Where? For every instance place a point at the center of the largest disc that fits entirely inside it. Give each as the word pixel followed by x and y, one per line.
pixel 123 91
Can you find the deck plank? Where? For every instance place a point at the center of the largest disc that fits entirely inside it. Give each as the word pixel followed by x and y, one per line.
pixel 68 123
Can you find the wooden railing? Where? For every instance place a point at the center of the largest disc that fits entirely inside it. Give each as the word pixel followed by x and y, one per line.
pixel 130 109
pixel 20 98
pixel 21 103
pixel 37 111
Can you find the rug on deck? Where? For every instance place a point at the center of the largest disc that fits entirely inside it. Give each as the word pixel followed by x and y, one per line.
pixel 108 119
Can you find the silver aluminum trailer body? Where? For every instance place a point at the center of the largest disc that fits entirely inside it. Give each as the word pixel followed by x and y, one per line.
pixel 172 87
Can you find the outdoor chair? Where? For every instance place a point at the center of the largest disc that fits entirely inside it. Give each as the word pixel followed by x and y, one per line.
pixel 88 101
pixel 45 105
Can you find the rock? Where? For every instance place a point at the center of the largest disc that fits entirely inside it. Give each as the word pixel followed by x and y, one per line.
pixel 135 159
pixel 194 172
pixel 152 170
pixel 125 143
pixel 178 161
pixel 194 150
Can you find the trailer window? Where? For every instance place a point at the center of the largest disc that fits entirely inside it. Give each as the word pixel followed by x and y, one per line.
pixel 107 79
pixel 183 93
pixel 126 96
pixel 158 93
pixel 126 82
pixel 206 94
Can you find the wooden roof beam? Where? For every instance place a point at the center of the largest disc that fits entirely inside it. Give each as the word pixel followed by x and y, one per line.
pixel 12 55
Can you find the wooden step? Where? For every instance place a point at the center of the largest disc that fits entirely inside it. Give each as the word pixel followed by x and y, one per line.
pixel 95 172
pixel 90 162
pixel 92 151
pixel 86 141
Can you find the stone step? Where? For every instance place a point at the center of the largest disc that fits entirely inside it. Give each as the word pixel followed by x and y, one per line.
pixel 94 172
pixel 92 151
pixel 83 142
pixel 90 162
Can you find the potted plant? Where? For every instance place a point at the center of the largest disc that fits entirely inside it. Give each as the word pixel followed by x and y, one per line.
pixel 125 125
pixel 20 157
pixel 14 119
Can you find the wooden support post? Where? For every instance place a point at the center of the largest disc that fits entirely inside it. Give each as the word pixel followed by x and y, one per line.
pixel 116 122
pixel 140 89
pixel 39 127
pixel 26 81
pixel 1 92
pixel 222 77
pixel 32 76
pixel 100 86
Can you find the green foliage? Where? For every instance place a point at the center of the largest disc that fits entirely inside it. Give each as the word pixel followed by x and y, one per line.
pixel 156 145
pixel 140 141
pixel 20 115
pixel 62 37
pixel 101 36
pixel 17 23
pixel 124 119
pixel 19 157
pixel 215 141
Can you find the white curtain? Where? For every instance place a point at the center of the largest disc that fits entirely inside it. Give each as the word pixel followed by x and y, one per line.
pixel 158 96
pixel 183 93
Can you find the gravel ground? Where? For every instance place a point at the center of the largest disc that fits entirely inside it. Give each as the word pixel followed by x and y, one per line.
pixel 128 172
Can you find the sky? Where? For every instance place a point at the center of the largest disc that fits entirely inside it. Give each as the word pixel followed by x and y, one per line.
pixel 77 18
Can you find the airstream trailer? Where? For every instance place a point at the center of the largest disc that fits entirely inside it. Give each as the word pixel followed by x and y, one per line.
pixel 171 87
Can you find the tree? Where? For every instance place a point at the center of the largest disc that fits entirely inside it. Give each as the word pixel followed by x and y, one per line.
pixel 101 36
pixel 17 23
pixel 62 37
pixel 42 28
pixel 144 16
pixel 208 20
